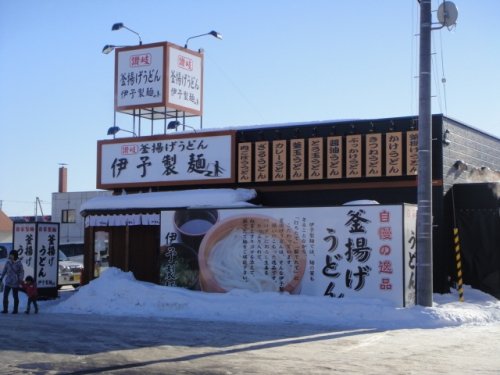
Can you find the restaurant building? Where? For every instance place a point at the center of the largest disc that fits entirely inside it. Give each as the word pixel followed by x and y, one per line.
pixel 315 164
pixel 298 235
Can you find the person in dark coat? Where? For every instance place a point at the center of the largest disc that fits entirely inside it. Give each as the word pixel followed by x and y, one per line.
pixel 31 290
pixel 13 272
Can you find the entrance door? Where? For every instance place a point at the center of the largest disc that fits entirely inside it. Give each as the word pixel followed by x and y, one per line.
pixel 101 251
pixel 144 242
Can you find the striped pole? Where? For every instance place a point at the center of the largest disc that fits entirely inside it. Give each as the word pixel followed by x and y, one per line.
pixel 459 265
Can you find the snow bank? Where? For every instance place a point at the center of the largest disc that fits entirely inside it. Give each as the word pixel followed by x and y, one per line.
pixel 117 293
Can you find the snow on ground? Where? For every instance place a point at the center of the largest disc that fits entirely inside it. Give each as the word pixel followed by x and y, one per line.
pixel 117 293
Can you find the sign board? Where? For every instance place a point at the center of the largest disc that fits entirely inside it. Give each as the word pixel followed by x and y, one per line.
pixel 334 158
pixel 353 156
pixel 262 161
pixel 394 154
pixel 140 76
pixel 315 157
pixel 244 162
pixel 334 152
pixel 297 159
pixel 37 245
pixel 412 152
pixel 373 155
pixel 279 160
pixel 160 77
pixel 185 79
pixel 166 160
pixel 335 252
pixel 47 246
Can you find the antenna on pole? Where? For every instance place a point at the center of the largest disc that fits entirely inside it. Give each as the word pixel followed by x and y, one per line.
pixel 447 14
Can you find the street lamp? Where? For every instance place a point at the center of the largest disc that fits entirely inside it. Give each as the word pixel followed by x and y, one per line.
pixel 175 124
pixel 120 25
pixel 109 48
pixel 115 129
pixel 214 33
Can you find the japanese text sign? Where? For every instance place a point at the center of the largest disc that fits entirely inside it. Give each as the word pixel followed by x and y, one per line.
pixel 185 79
pixel 140 77
pixel 37 245
pixel 336 252
pixel 160 76
pixel 166 160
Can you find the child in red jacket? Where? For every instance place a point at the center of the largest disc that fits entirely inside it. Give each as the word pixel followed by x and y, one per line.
pixel 29 287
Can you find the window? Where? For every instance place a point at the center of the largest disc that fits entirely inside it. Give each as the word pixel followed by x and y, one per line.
pixel 68 216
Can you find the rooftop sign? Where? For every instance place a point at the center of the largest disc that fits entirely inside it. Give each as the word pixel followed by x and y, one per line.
pixel 158 78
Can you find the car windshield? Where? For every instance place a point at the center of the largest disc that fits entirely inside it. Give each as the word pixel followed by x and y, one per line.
pixel 62 256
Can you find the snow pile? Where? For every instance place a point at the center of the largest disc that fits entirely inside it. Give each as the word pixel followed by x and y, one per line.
pixel 118 293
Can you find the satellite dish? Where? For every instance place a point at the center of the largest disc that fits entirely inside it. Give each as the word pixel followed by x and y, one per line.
pixel 447 14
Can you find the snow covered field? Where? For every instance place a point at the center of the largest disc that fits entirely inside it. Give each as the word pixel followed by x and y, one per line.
pixel 117 325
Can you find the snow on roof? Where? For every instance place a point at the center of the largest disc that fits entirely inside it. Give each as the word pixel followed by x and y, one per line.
pixel 170 199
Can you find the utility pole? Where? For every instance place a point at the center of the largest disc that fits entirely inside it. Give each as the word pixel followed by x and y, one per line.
pixel 447 15
pixel 38 203
pixel 424 186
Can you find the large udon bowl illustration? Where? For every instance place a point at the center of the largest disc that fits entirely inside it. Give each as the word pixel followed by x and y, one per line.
pixel 232 246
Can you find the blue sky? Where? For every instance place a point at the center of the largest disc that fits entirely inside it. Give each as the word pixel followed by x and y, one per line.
pixel 279 61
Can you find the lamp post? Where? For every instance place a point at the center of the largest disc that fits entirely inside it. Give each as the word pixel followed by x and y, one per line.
pixel 115 129
pixel 214 33
pixel 175 124
pixel 120 25
pixel 117 26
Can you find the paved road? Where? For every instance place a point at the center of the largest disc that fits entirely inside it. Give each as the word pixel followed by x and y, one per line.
pixel 91 344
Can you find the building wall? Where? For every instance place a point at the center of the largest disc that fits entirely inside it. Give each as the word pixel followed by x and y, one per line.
pixel 72 233
pixel 470 156
pixel 5 228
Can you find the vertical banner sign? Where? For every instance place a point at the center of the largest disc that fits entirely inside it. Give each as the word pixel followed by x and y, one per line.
pixel 335 252
pixel 245 162
pixel 25 243
pixel 410 249
pixel 373 155
pixel 412 152
pixel 353 156
pixel 37 245
pixel 315 154
pixel 393 154
pixel 297 159
pixel 334 157
pixel 47 247
pixel 185 77
pixel 139 80
pixel 279 161
pixel 261 161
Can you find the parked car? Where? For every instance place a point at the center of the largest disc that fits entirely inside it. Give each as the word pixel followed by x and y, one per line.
pixel 3 256
pixel 69 271
pixel 2 264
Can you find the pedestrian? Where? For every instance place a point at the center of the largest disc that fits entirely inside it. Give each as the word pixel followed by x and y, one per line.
pixel 31 290
pixel 13 272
